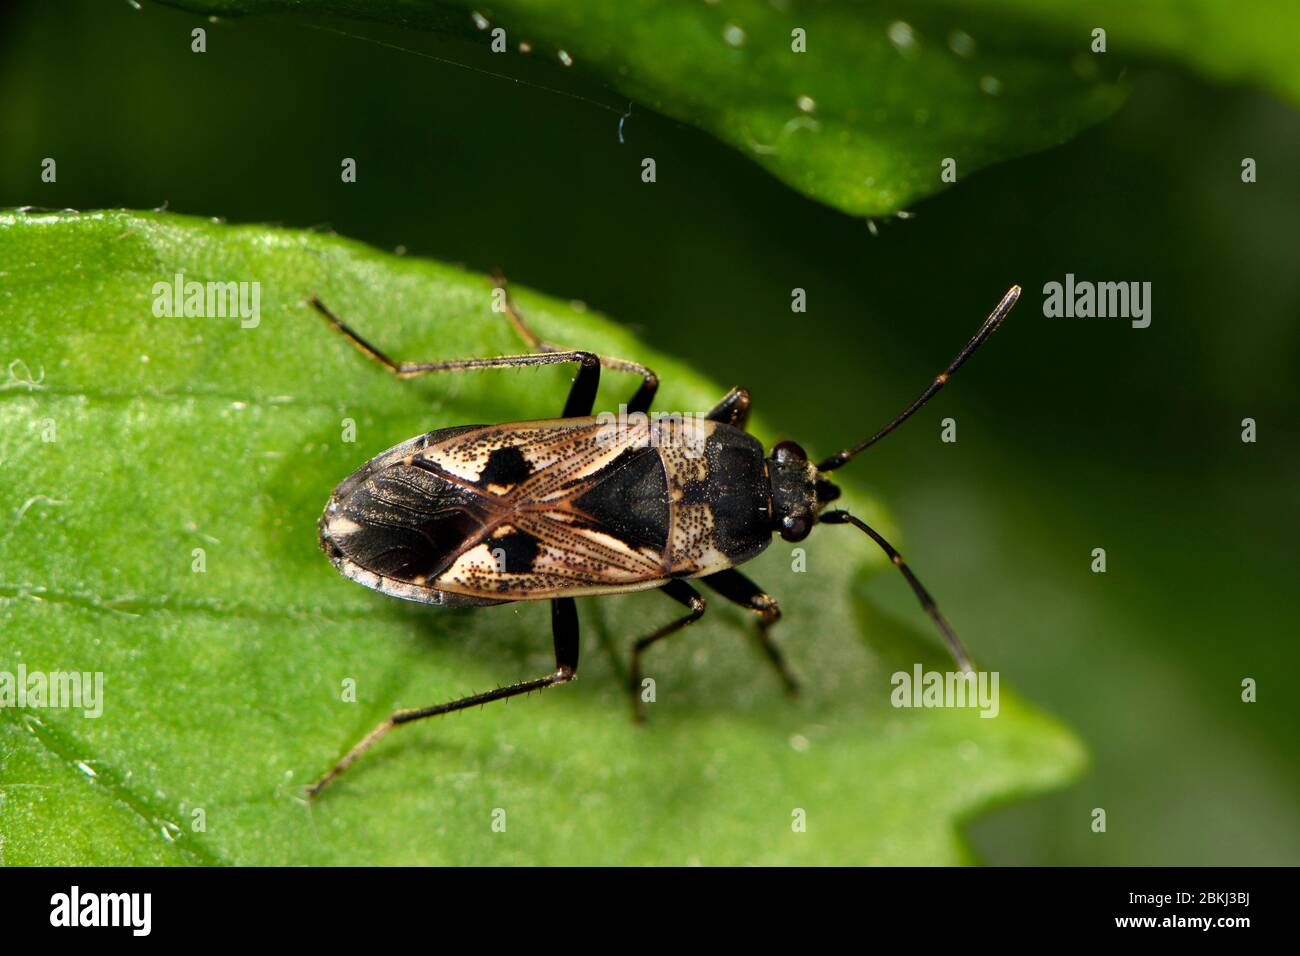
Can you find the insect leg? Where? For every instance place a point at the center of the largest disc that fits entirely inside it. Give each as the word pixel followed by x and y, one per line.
pixel 735 587
pixel 564 627
pixel 639 402
pixel 682 593
pixel 732 410
pixel 582 396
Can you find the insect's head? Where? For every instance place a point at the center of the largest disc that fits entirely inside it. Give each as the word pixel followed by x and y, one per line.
pixel 799 491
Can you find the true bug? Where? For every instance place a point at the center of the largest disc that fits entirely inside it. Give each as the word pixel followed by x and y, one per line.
pixel 581 505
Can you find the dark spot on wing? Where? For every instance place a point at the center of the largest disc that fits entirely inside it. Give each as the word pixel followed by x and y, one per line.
pixel 518 549
pixel 629 498
pixel 505 467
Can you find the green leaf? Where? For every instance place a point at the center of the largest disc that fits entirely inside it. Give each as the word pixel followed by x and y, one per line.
pixel 1230 42
pixel 130 440
pixel 863 120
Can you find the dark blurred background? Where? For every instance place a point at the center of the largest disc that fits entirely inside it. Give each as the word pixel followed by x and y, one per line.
pixel 1072 433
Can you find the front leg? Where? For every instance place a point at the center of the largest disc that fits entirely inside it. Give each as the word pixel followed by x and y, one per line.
pixel 732 410
pixel 734 586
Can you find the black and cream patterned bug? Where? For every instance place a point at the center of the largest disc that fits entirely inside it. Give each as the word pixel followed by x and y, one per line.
pixel 580 506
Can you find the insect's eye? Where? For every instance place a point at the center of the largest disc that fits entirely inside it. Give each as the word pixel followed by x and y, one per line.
pixel 789 451
pixel 795 527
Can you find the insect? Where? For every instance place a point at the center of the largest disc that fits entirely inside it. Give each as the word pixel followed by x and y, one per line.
pixel 585 505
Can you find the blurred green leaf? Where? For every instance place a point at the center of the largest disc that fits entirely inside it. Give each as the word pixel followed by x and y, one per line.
pixel 862 120
pixel 222 688
pixel 1227 41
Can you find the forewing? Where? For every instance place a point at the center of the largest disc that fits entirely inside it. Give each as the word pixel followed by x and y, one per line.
pixel 585 508
pixel 397 522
